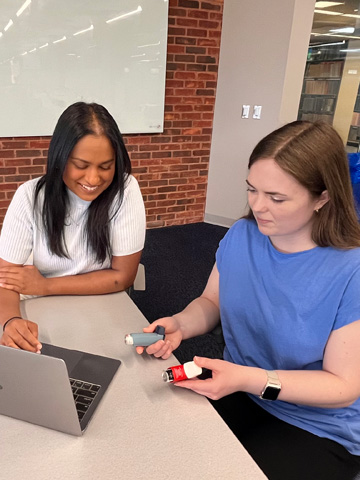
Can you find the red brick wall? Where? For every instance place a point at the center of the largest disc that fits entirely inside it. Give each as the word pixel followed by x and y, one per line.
pixel 171 167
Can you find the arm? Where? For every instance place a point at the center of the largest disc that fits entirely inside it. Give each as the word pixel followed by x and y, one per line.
pixel 19 333
pixel 28 280
pixel 199 317
pixel 336 386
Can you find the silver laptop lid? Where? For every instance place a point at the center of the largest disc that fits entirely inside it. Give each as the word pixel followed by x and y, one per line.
pixel 36 388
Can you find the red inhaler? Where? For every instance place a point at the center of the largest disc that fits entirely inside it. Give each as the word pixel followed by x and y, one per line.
pixel 181 372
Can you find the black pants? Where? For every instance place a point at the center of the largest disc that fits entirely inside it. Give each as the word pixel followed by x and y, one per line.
pixel 282 451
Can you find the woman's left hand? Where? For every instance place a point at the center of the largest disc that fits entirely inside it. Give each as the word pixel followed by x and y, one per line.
pixel 226 378
pixel 23 279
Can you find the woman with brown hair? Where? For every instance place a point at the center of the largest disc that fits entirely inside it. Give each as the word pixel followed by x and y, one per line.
pixel 286 286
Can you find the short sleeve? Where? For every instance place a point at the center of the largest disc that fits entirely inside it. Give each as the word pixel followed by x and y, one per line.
pixel 16 240
pixel 129 224
pixel 349 308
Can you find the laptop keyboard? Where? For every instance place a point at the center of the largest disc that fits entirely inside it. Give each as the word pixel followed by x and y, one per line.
pixel 84 394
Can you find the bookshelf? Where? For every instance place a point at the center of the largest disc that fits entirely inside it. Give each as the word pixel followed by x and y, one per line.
pixel 352 144
pixel 320 90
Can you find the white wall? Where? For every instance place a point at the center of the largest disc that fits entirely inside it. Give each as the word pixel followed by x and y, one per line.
pixel 262 60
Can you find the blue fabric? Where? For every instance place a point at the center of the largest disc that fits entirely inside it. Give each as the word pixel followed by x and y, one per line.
pixel 277 312
pixel 354 167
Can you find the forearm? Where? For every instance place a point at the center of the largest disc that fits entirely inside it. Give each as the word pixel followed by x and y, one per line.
pixel 10 305
pixel 92 283
pixel 314 388
pixel 199 317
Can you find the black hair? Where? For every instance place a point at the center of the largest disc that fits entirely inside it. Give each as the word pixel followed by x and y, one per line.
pixel 77 121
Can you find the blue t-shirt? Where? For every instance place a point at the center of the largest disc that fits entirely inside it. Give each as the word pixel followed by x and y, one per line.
pixel 278 311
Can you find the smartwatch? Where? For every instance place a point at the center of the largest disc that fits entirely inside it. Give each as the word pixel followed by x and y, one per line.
pixel 273 386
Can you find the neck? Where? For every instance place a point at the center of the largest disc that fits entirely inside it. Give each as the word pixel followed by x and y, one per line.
pixel 292 244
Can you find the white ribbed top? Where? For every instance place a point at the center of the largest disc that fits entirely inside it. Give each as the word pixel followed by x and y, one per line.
pixel 22 232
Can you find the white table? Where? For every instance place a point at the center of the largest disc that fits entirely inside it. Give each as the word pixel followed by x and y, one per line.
pixel 143 427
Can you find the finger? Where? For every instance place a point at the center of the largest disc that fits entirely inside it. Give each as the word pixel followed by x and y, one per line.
pixel 10 269
pixel 34 329
pixel 197 386
pixel 149 329
pixel 8 342
pixel 7 286
pixel 23 337
pixel 167 354
pixel 204 362
pixel 155 347
pixel 140 350
pixel 161 348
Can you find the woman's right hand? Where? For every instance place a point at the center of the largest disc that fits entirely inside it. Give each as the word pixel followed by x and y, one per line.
pixel 23 334
pixel 173 337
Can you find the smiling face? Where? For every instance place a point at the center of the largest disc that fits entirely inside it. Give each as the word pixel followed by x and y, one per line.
pixel 283 208
pixel 90 168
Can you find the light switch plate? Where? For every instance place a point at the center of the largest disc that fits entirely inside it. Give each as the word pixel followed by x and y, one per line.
pixel 257 112
pixel 245 111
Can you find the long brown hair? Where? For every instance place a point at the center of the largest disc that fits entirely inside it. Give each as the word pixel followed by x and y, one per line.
pixel 314 154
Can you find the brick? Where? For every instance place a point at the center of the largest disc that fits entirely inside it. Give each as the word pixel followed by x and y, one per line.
pixel 184 41
pixel 205 59
pixel 16 178
pixel 166 189
pixel 188 3
pixel 177 12
pixel 166 216
pixel 186 75
pixel 196 67
pixel 149 148
pixel 187 22
pixel 207 42
pixel 8 186
pixel 39 161
pixel 28 153
pixel 205 92
pixel 155 224
pixel 210 6
pixel 170 146
pixel 139 156
pixel 7 171
pixel 14 144
pixel 7 153
pixel 39 144
pixel 162 154
pixel 198 14
pixel 209 24
pixel 196 50
pixel 176 31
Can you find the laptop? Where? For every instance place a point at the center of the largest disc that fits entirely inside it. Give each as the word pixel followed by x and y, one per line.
pixel 58 389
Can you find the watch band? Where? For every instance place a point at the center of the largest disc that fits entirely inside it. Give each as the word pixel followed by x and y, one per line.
pixel 273 386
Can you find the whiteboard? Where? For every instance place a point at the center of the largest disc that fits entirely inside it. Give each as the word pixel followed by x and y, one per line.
pixel 56 52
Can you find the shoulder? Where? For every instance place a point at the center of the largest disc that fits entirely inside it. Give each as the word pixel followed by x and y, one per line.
pixel 26 192
pixel 132 202
pixel 132 193
pixel 28 187
pixel 131 185
pixel 241 230
pixel 239 238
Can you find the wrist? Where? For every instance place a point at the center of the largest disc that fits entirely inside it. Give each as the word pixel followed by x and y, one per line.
pixel 46 287
pixel 180 327
pixel 4 325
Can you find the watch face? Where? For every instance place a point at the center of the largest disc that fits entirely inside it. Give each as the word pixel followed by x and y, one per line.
pixel 271 393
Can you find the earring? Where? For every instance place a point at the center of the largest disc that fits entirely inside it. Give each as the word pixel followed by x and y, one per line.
pixel 317 210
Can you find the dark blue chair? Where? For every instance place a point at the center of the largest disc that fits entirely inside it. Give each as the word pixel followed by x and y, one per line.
pixel 354 166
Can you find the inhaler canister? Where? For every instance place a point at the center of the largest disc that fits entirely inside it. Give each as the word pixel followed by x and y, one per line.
pixel 181 372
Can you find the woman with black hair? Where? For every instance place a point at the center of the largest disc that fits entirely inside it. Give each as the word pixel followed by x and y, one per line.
pixel 83 222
